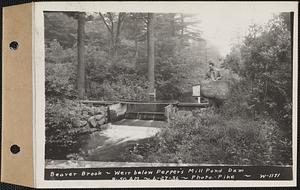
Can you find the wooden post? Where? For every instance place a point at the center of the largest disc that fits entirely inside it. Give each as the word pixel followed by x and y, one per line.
pixel 199 100
pixel 108 114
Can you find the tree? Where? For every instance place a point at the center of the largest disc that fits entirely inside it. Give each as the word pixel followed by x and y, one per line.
pixel 233 61
pixel 181 30
pixel 81 63
pixel 136 32
pixel 264 62
pixel 113 23
pixel 66 35
pixel 150 51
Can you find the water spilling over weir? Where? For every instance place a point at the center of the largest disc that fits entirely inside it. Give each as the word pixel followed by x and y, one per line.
pixel 129 124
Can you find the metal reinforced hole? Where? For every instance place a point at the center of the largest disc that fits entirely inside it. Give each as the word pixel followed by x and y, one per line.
pixel 15 149
pixel 13 45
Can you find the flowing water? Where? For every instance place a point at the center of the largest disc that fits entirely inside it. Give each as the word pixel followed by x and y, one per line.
pixel 111 143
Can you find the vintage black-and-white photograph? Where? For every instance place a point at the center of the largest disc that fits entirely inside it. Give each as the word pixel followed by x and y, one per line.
pixel 149 89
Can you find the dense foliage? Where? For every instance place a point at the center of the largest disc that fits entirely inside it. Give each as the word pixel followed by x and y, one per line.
pixel 61 135
pixel 264 64
pixel 207 138
pixel 179 55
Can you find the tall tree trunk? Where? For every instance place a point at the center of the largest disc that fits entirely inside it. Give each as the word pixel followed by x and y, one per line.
pixel 81 64
pixel 117 37
pixel 172 32
pixel 181 30
pixel 172 24
pixel 150 51
pixel 136 55
pixel 112 36
pixel 111 45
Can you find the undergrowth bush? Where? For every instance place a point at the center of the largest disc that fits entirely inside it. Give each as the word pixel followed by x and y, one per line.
pixel 64 129
pixel 206 138
pixel 123 87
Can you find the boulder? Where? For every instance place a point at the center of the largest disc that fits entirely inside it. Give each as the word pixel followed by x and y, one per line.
pixel 89 109
pixel 99 117
pixel 83 123
pixel 85 112
pixel 100 110
pixel 92 121
pixel 105 126
pixel 219 90
pixel 72 113
pixel 76 122
pixel 101 122
pixel 85 117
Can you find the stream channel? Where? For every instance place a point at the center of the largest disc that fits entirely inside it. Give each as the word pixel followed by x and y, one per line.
pixel 109 145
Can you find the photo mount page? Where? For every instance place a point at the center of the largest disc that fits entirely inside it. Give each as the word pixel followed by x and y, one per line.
pixel 114 104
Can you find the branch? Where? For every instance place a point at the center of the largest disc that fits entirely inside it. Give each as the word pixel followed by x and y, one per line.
pixel 123 17
pixel 107 26
pixel 112 23
pixel 120 20
pixel 110 17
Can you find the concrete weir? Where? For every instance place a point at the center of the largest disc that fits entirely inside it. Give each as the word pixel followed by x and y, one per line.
pixel 129 124
pixel 157 111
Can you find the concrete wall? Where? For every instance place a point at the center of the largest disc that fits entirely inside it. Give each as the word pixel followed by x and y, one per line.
pixel 117 111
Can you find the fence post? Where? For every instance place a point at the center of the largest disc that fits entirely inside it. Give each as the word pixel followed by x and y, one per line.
pixel 108 114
